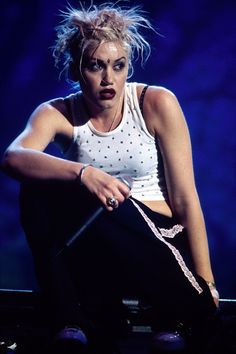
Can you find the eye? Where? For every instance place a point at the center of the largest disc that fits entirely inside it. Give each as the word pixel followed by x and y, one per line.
pixel 119 66
pixel 94 66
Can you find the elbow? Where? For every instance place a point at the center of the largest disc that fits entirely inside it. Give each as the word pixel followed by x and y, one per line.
pixel 9 162
pixel 183 207
pixel 179 208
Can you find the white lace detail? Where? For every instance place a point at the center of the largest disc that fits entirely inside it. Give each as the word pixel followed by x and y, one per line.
pixel 171 232
pixel 176 228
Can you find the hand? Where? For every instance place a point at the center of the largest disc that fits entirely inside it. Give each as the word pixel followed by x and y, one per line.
pixel 105 186
pixel 214 292
pixel 215 296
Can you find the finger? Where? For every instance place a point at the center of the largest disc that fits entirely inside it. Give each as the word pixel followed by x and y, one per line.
pixel 105 204
pixel 113 202
pixel 124 190
pixel 127 180
pixel 119 195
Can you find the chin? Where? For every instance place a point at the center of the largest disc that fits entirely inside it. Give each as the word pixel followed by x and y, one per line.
pixel 106 103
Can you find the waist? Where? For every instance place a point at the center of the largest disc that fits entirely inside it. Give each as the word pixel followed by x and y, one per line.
pixel 159 206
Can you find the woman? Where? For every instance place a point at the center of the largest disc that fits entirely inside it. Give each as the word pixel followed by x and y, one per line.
pixel 108 129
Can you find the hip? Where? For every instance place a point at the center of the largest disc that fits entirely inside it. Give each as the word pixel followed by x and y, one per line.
pixel 159 206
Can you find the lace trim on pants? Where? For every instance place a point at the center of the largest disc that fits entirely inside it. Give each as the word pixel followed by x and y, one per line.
pixel 170 233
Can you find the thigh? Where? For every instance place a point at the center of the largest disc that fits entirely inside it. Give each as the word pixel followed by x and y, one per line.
pixel 149 267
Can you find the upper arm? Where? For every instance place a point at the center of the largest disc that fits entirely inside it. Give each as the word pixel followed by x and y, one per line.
pixel 166 120
pixel 44 124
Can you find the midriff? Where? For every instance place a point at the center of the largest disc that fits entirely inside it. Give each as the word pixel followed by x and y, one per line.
pixel 160 206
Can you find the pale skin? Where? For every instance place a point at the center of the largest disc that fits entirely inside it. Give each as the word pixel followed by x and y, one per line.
pixel 108 67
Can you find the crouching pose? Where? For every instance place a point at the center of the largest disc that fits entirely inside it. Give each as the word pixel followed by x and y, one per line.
pixel 125 150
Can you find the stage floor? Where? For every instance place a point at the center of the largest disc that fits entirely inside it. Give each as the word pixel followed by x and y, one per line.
pixel 21 324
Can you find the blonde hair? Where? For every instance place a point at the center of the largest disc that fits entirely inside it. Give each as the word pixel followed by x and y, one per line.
pixel 82 28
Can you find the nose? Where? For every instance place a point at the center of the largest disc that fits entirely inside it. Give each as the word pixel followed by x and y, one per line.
pixel 107 78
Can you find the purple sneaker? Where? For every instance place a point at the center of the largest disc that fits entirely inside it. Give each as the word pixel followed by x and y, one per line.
pixel 70 340
pixel 168 342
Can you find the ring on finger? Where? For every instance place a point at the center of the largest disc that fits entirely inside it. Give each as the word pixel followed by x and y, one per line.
pixel 112 202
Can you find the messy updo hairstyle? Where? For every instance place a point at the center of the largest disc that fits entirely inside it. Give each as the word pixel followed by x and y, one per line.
pixel 84 29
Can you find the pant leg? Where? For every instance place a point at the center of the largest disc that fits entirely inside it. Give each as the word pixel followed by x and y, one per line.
pixel 149 268
pixel 119 255
pixel 97 278
pixel 50 214
pixel 134 261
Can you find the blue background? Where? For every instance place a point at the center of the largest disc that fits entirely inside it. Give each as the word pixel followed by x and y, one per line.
pixel 195 57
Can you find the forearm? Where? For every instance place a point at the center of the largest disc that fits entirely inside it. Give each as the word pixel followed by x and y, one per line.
pixel 24 164
pixel 199 248
pixel 195 225
pixel 192 219
pixel 28 164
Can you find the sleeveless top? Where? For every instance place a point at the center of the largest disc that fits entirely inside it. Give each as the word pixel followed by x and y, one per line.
pixel 129 149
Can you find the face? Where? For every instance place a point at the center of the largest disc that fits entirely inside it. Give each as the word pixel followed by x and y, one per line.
pixel 103 75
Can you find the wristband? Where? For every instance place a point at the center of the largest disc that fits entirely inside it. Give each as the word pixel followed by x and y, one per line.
pixel 80 175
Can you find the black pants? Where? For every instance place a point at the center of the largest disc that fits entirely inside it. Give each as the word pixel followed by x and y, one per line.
pixel 119 256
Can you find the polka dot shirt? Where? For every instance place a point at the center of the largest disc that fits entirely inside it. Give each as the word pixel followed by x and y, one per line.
pixel 129 149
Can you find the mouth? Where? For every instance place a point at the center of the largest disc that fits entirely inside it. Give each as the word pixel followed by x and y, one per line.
pixel 107 94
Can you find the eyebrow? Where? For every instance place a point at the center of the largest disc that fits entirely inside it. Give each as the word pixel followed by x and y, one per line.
pixel 104 62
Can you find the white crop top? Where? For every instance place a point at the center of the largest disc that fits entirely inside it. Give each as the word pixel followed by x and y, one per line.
pixel 129 149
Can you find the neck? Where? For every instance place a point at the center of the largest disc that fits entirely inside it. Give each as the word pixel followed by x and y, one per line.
pixel 115 121
pixel 107 119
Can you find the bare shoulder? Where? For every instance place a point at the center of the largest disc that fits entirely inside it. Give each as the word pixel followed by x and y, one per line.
pixel 48 117
pixel 45 111
pixel 160 107
pixel 157 96
pixel 45 125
